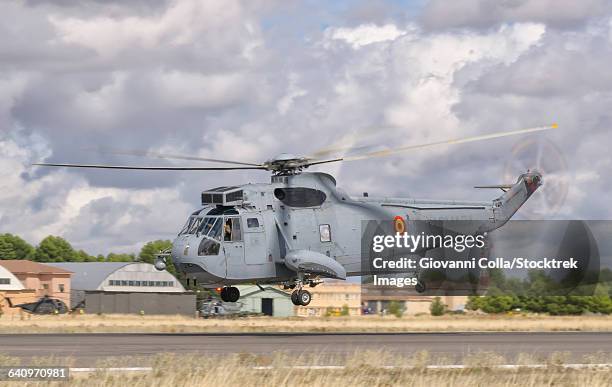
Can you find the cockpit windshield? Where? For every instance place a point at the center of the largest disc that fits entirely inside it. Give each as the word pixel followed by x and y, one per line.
pixel 211 226
pixel 206 225
pixel 215 232
pixel 194 226
pixel 187 225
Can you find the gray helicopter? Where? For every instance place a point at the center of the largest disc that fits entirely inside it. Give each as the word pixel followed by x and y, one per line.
pixel 300 228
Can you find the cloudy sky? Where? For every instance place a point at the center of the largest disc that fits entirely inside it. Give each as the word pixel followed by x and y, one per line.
pixel 248 80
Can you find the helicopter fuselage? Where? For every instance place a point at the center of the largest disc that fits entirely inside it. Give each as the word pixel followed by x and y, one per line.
pixel 302 224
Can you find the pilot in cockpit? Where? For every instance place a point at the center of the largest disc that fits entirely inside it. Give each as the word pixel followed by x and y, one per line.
pixel 227 230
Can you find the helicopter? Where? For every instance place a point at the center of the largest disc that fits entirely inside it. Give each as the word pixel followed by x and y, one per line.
pixel 300 228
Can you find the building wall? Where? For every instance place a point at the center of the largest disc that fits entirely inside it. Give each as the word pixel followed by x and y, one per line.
pixel 134 303
pixel 281 302
pixel 455 302
pixel 131 278
pixel 416 304
pixel 332 296
pixel 378 298
pixel 47 285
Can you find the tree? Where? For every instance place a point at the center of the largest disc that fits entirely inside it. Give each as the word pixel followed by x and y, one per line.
pixel 82 256
pixel 13 247
pixel 112 257
pixel 437 308
pixel 6 250
pixel 55 249
pixel 150 250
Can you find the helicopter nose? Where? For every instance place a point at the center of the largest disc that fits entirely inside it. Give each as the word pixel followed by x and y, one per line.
pixel 177 248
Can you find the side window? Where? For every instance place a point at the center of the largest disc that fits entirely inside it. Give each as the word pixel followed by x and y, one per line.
pixel 252 222
pixel 236 230
pixel 325 232
pixel 231 230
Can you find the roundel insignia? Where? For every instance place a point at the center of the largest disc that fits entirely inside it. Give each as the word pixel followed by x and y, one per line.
pixel 400 225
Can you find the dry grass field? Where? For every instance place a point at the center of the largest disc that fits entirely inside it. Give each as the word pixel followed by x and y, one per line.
pixel 179 324
pixel 366 368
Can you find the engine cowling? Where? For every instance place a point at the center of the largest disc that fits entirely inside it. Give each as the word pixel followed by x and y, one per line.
pixel 306 261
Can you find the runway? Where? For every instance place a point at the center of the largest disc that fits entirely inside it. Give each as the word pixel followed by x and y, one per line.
pixel 88 348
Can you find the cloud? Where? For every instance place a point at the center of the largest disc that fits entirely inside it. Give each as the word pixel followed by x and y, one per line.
pixel 558 66
pixel 180 24
pixel 564 14
pixel 365 34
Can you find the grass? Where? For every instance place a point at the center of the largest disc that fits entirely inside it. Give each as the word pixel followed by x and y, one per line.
pixel 371 368
pixel 179 324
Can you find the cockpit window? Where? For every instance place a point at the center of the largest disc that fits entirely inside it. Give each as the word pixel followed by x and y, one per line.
pixel 206 225
pixel 213 226
pixel 187 225
pixel 194 226
pixel 215 231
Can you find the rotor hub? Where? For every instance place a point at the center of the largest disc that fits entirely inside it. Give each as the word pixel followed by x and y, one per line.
pixel 286 164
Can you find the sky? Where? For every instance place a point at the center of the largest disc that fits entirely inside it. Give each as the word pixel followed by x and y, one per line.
pixel 247 80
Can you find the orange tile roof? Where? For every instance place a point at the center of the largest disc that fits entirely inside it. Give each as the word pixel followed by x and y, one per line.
pixel 18 266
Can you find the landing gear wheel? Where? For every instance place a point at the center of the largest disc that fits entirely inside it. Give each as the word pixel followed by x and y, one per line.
pixel 295 299
pixel 224 295
pixel 304 297
pixel 420 287
pixel 233 294
pixel 230 294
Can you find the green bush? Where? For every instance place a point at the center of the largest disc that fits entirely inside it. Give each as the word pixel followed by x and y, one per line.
pixel 554 305
pixel 395 308
pixel 437 308
pixel 345 310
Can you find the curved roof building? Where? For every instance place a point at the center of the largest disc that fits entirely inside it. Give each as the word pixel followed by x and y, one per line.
pixel 120 277
pixel 8 281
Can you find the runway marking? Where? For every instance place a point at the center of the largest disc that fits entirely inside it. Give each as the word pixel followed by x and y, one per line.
pixel 111 369
pixel 453 367
pixel 603 366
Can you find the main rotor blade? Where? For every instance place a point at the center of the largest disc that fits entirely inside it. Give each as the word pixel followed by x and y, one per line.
pixel 345 144
pixel 171 156
pixel 388 152
pixel 316 162
pixel 96 166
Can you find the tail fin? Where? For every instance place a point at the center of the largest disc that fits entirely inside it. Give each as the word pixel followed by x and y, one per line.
pixel 515 196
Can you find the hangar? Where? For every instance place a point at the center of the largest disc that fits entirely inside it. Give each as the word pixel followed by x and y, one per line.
pixel 127 287
pixel 8 281
pixel 12 292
